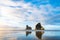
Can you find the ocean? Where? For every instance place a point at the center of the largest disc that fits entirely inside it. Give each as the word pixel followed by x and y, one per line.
pixel 29 35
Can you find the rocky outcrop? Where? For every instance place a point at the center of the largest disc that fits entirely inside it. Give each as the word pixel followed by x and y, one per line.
pixel 28 28
pixel 39 27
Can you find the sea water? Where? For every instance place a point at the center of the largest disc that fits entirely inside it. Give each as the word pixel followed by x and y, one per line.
pixel 29 35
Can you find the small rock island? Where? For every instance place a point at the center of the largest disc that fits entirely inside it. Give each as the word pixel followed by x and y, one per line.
pixel 39 27
pixel 28 28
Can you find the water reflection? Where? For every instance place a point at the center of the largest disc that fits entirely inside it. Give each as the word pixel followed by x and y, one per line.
pixel 39 34
pixel 28 32
pixel 29 35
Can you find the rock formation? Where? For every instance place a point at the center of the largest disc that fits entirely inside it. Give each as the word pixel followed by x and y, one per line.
pixel 39 27
pixel 28 28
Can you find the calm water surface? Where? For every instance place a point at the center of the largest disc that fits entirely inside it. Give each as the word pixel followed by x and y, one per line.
pixel 29 35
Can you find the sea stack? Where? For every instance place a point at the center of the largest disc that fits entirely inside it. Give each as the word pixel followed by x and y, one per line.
pixel 39 27
pixel 28 28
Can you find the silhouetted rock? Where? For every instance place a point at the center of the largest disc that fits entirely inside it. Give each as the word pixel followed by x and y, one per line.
pixel 28 28
pixel 39 27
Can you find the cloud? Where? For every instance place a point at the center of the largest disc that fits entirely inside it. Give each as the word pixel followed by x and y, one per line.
pixel 8 17
pixel 16 13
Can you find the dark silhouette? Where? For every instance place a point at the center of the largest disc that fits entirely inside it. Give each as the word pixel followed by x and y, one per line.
pixel 28 28
pixel 39 27
pixel 39 34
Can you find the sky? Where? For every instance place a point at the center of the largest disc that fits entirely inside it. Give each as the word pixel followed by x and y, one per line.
pixel 19 13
